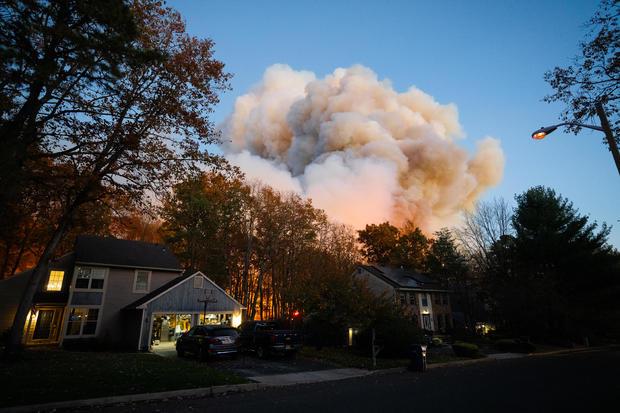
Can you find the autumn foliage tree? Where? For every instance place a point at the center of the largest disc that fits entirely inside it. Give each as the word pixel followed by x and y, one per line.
pixel 384 244
pixel 127 124
pixel 593 77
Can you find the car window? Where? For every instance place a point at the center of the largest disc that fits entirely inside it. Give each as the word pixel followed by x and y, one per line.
pixel 265 327
pixel 200 331
pixel 224 332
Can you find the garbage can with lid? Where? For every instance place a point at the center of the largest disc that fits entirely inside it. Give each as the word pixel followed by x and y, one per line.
pixel 418 357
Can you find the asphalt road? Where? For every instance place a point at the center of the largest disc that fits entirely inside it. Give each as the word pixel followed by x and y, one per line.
pixel 573 382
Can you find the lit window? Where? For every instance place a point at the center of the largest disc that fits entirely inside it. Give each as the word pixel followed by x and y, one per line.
pixel 82 321
pixel 55 281
pixel 90 278
pixel 403 299
pixel 141 282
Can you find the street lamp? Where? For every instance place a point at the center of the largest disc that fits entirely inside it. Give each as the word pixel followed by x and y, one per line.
pixel 544 131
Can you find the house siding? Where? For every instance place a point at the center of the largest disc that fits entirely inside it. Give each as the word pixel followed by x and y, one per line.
pixel 113 328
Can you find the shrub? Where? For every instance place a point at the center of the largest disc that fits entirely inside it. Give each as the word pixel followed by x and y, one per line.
pixel 463 349
pixel 394 333
pixel 320 330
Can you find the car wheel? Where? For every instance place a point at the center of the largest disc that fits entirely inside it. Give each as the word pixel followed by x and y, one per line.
pixel 261 352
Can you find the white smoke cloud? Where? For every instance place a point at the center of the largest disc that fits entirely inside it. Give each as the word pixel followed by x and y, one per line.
pixel 360 150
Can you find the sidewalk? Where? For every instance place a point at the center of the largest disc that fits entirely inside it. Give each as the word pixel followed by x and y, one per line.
pixel 264 382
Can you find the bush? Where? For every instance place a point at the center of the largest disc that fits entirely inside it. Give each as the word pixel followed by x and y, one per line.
pixel 393 333
pixel 320 331
pixel 463 349
pixel 512 345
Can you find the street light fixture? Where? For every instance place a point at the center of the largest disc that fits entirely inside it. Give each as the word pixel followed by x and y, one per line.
pixel 544 131
pixel 611 141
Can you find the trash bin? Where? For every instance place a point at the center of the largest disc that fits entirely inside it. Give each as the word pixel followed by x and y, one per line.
pixel 418 358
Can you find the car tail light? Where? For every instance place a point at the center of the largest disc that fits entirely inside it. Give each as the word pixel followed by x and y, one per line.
pixel 215 341
pixel 272 338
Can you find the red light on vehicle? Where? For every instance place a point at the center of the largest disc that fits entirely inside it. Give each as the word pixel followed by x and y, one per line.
pixel 295 313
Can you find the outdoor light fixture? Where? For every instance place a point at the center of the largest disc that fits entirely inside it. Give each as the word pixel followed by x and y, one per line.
pixel 609 136
pixel 544 131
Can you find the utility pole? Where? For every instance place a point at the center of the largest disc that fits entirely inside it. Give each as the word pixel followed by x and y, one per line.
pixel 611 140
pixel 206 302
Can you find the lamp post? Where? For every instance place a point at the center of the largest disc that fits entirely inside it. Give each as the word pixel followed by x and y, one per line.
pixel 613 147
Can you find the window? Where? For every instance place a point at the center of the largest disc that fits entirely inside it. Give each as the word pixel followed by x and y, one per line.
pixel 411 299
pixel 437 298
pixel 141 281
pixel 198 282
pixel 424 298
pixel 440 321
pixel 403 299
pixel 90 278
pixel 444 297
pixel 55 281
pixel 82 321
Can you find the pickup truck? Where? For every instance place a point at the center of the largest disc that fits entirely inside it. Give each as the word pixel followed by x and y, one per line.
pixel 265 339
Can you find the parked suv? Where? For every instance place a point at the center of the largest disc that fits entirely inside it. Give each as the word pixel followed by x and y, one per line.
pixel 209 340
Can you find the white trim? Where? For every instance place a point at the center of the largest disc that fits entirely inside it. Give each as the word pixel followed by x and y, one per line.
pixel 141 328
pixel 97 326
pixel 148 281
pixel 105 279
pixel 143 305
pixel 100 264
pixel 70 306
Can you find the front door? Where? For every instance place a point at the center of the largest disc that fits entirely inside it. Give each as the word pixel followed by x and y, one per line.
pixel 43 328
pixel 426 322
pixel 44 325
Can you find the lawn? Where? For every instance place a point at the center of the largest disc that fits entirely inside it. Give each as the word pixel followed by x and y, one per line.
pixel 346 358
pixel 41 376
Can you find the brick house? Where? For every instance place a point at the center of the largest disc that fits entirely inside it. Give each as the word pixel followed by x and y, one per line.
pixel 419 296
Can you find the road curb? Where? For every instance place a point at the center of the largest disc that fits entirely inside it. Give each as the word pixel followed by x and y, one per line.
pixel 246 387
pixel 131 398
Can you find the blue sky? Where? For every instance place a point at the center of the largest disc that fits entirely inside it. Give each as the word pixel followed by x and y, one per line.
pixel 487 57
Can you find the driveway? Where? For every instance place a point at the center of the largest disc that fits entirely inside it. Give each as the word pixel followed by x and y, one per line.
pixel 248 365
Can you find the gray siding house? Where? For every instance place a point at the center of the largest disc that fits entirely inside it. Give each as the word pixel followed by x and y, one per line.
pixel 419 296
pixel 123 294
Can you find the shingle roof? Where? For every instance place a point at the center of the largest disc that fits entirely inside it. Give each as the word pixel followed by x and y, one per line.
pixel 113 251
pixel 403 278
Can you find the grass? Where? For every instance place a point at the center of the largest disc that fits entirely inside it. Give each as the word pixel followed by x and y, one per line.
pixel 344 357
pixel 41 376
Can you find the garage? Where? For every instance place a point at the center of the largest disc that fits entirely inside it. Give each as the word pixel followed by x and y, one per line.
pixel 175 307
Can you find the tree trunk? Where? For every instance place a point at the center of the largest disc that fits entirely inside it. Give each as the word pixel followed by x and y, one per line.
pixel 39 272
pixel 248 255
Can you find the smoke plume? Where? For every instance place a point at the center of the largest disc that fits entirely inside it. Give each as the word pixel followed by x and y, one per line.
pixel 360 150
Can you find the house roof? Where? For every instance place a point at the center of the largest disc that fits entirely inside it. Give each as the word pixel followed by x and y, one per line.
pixel 90 249
pixel 170 285
pixel 403 278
